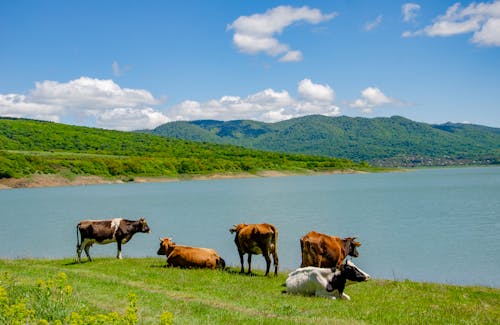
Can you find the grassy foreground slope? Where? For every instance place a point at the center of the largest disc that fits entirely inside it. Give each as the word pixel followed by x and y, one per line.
pixel 226 297
pixel 30 147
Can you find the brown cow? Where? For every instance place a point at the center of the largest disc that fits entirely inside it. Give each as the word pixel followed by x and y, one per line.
pixel 185 256
pixel 107 231
pixel 257 239
pixel 322 250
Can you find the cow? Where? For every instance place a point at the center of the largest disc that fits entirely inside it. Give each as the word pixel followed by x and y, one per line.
pixel 186 256
pixel 322 250
pixel 117 230
pixel 257 239
pixel 325 282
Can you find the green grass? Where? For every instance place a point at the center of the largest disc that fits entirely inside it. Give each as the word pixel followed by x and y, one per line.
pixel 226 297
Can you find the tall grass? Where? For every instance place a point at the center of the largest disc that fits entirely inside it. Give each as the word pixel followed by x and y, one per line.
pixel 226 297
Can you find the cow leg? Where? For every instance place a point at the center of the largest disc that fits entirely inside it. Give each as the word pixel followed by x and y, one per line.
pixel 249 263
pixel 268 262
pixel 276 262
pixel 241 260
pixel 87 248
pixel 323 293
pixel 79 252
pixel 119 250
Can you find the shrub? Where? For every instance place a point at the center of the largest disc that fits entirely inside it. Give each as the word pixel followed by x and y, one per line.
pixel 49 302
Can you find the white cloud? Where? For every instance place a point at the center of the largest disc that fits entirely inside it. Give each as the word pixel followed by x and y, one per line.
pixel 268 105
pixel 481 19
pixel 103 101
pixel 373 24
pixel 410 11
pixel 16 105
pixel 127 118
pixel 315 92
pixel 489 33
pixel 371 98
pixel 104 104
pixel 257 33
pixel 291 56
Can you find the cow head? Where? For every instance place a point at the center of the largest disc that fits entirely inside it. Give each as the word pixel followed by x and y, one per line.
pixel 350 246
pixel 346 274
pixel 237 228
pixel 144 225
pixel 165 243
pixel 353 273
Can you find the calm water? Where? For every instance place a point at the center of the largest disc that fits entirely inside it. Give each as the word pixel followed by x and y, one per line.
pixel 438 225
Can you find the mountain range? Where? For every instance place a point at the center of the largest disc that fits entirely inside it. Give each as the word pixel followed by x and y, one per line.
pixel 384 141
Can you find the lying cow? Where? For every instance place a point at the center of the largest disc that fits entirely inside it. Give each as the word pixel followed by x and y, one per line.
pixel 257 239
pixel 185 256
pixel 326 251
pixel 325 282
pixel 107 231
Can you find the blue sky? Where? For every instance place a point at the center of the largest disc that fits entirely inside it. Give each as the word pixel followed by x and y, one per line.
pixel 137 64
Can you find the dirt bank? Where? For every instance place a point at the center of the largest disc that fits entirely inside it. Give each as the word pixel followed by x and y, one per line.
pixel 59 180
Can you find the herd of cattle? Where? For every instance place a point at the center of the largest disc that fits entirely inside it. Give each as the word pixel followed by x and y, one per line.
pixel 324 270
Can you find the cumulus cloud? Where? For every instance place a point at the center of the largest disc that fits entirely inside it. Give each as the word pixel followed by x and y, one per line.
pixel 371 98
pixel 315 92
pixel 481 19
pixel 257 33
pixel 104 104
pixel 410 11
pixel 373 24
pixel 103 101
pixel 268 105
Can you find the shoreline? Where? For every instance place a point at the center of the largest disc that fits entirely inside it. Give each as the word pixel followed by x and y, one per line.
pixel 57 180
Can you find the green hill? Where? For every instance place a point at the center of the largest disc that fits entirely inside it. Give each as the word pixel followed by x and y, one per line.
pixel 30 147
pixel 394 141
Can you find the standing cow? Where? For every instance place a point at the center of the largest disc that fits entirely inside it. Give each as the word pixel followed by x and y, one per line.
pixel 187 256
pixel 322 250
pixel 257 239
pixel 107 231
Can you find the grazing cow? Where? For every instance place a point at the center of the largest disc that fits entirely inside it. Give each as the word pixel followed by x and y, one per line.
pixel 185 256
pixel 325 282
pixel 326 251
pixel 107 231
pixel 257 239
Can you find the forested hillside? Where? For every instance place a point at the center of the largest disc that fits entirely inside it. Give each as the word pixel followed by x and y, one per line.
pixel 30 147
pixel 394 141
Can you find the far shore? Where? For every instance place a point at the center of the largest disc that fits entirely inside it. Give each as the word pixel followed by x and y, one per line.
pixel 57 180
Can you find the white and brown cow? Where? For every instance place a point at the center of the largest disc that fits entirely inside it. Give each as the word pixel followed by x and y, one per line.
pixel 325 282
pixel 326 251
pixel 257 239
pixel 190 257
pixel 116 230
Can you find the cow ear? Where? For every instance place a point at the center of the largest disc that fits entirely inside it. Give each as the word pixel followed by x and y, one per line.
pixel 355 243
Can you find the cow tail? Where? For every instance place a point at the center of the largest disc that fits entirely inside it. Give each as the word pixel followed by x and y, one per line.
pixel 78 241
pixel 275 239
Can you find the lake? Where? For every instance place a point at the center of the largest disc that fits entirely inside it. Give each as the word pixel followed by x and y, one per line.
pixel 434 225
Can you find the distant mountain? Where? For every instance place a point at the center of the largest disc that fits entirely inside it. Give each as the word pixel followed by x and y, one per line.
pixel 394 141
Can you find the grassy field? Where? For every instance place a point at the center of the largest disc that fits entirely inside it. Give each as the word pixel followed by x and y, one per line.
pixel 226 297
